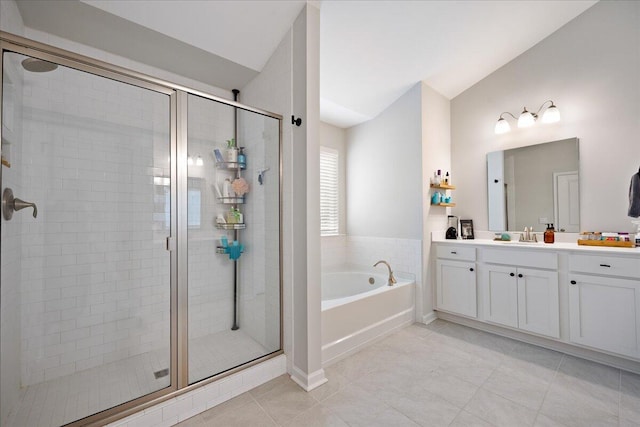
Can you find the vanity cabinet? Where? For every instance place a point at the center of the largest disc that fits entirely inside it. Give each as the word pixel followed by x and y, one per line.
pixel 456 280
pixel 604 303
pixel 524 298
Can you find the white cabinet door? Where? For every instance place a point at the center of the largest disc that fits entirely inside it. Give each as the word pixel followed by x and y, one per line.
pixel 501 295
pixel 538 307
pixel 604 313
pixel 456 287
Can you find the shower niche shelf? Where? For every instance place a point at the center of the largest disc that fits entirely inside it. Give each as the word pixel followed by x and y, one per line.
pixel 231 200
pixel 231 226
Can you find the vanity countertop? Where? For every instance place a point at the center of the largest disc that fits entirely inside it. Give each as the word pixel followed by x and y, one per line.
pixel 558 246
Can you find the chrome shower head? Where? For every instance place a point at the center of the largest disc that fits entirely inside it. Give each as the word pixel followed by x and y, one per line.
pixel 36 65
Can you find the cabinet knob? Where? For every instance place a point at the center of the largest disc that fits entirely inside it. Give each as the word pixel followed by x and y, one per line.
pixel 454 252
pixel 573 282
pixel 512 274
pixel 520 275
pixel 471 269
pixel 605 265
pixel 495 180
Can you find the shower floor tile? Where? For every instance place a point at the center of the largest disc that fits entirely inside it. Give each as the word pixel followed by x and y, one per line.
pixel 66 399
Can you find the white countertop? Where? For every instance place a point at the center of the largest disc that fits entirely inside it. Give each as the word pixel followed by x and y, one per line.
pixel 558 246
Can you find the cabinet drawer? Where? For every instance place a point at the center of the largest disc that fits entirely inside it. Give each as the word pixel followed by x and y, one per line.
pixel 605 264
pixel 462 253
pixel 524 258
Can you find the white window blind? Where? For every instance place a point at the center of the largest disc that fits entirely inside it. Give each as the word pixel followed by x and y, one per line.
pixel 328 192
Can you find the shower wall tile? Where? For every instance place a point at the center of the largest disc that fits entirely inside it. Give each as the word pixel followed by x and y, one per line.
pixel 333 250
pixel 94 256
pixel 404 255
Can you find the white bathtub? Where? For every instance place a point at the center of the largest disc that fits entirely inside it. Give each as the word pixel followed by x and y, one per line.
pixel 355 312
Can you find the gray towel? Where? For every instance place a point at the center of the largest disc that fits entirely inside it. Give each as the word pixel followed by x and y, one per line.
pixel 634 196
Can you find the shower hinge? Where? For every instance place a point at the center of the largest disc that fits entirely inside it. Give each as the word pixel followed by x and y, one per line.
pixel 170 244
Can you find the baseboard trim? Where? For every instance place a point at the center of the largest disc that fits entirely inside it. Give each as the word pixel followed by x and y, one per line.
pixel 429 317
pixel 308 381
pixel 563 347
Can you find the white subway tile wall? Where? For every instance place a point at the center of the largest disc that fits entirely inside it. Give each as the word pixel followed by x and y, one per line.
pixel 94 273
pixel 404 255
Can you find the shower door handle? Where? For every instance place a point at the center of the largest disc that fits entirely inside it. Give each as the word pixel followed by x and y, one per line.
pixel 11 204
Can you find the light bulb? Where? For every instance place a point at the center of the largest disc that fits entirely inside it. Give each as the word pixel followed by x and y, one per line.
pixel 189 161
pixel 526 119
pixel 199 161
pixel 552 115
pixel 502 126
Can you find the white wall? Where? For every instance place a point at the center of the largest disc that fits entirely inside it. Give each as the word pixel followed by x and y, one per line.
pixel 384 172
pixel 335 137
pixel 590 68
pixel 436 154
pixel 288 85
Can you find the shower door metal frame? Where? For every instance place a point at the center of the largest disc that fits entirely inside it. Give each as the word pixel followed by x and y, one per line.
pixel 176 241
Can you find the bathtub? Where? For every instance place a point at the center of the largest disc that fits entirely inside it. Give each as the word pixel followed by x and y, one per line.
pixel 355 312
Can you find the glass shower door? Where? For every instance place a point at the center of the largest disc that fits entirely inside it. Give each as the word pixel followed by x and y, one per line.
pixel 85 274
pixel 233 236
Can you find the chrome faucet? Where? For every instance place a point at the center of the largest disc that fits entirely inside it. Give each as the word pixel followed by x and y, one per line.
pixel 392 279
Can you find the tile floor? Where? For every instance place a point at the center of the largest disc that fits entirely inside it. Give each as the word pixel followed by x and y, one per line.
pixel 443 374
pixel 66 399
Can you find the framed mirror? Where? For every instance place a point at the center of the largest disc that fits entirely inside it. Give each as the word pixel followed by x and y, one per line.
pixel 535 185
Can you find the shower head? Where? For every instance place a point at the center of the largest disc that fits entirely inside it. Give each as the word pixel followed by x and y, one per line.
pixel 36 65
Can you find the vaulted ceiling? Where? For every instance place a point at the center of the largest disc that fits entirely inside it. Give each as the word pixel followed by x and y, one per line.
pixel 371 51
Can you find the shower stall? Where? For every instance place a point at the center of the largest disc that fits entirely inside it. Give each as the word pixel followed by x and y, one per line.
pixel 138 258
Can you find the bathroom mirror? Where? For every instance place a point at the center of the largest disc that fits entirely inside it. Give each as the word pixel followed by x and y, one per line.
pixel 534 185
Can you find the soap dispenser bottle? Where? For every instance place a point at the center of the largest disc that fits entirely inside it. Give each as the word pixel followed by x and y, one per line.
pixel 549 235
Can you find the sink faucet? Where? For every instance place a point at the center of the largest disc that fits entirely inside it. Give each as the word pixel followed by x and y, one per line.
pixel 392 279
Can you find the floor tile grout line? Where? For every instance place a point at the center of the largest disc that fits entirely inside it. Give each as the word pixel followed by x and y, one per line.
pixel 555 374
pixel 264 410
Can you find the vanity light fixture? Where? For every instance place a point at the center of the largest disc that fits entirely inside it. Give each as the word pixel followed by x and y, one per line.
pixel 189 161
pixel 527 118
pixel 199 161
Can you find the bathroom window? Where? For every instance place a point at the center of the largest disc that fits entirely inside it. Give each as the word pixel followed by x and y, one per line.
pixel 329 209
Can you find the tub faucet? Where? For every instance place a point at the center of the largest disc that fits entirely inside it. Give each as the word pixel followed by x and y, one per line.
pixel 392 279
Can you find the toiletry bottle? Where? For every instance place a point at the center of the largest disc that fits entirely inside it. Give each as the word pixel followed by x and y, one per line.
pixel 447 179
pixel 226 188
pixel 549 235
pixel 242 160
pixel 439 177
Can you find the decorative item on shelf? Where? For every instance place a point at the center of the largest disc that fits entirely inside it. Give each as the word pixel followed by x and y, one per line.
pixel 466 229
pixel 436 198
pixel 527 118
pixel 452 227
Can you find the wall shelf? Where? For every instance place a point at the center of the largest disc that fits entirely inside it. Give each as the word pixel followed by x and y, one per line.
pixel 448 205
pixel 443 187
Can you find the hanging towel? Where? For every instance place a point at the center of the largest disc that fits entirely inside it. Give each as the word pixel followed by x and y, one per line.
pixel 634 196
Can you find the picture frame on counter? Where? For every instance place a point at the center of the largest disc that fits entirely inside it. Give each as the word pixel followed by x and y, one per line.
pixel 466 229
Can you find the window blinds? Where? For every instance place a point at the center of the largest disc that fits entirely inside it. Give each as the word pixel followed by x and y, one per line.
pixel 328 192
